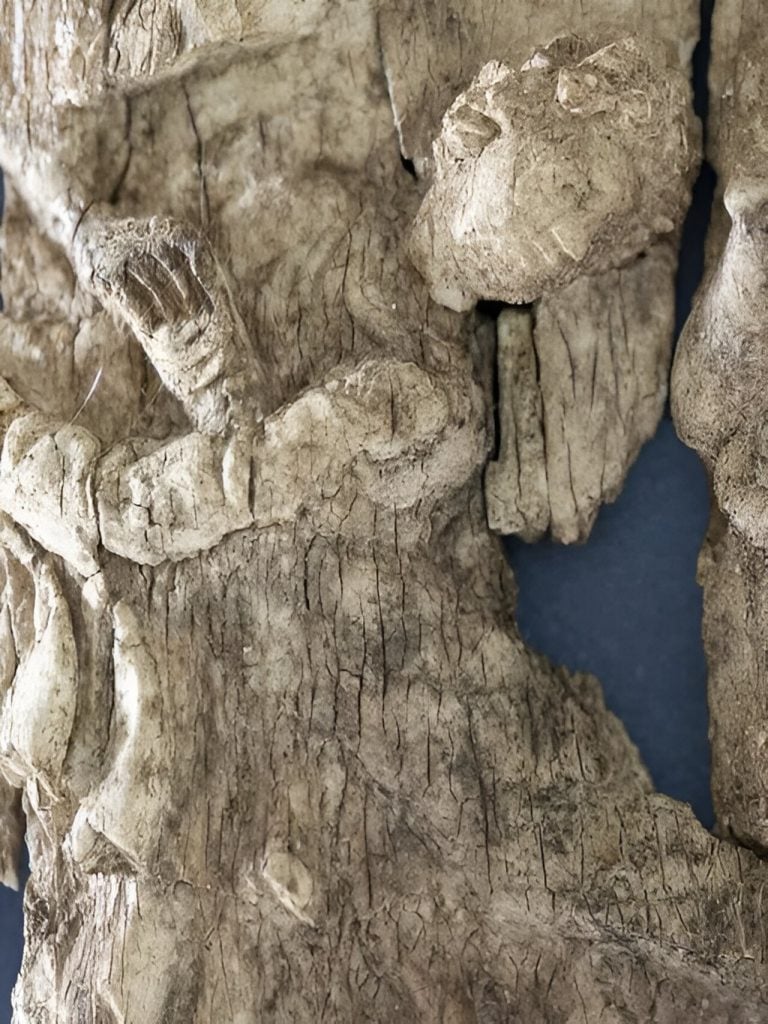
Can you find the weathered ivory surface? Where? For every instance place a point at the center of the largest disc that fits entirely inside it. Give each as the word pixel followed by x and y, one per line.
pixel 546 189
pixel 719 404
pixel 282 753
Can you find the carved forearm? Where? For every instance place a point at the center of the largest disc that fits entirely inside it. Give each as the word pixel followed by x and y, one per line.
pixel 388 435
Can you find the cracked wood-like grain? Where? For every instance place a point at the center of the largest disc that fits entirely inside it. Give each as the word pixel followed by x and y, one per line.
pixel 591 120
pixel 597 356
pixel 289 758
pixel 719 406
pixel 547 173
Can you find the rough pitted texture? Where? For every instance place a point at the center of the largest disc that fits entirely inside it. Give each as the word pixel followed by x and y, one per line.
pixel 582 384
pixel 432 49
pixel 549 173
pixel 433 52
pixel 720 407
pixel 283 754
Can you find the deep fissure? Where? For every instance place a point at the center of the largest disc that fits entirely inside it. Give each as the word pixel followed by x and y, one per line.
pixel 640 629
pixel 666 471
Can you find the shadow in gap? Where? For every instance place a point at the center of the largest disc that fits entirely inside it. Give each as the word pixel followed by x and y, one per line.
pixel 625 605
pixel 11 915
pixel 11 943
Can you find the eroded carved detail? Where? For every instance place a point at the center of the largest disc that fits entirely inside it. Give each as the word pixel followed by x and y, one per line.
pixel 719 405
pixel 549 173
pixel 546 189
pixel 290 758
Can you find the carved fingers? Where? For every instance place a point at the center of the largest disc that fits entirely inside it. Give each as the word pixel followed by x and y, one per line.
pixel 163 280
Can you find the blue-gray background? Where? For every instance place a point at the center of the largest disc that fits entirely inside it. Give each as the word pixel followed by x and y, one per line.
pixel 624 606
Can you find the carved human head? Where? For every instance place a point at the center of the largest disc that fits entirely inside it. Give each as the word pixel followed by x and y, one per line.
pixel 574 164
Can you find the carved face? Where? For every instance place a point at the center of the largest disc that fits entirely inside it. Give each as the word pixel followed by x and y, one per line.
pixel 552 171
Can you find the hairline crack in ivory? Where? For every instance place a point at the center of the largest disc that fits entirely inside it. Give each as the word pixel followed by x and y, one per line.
pixel 276 745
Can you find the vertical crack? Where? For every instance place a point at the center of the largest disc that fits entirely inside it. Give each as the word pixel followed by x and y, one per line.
pixel 692 246
pixel 625 606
